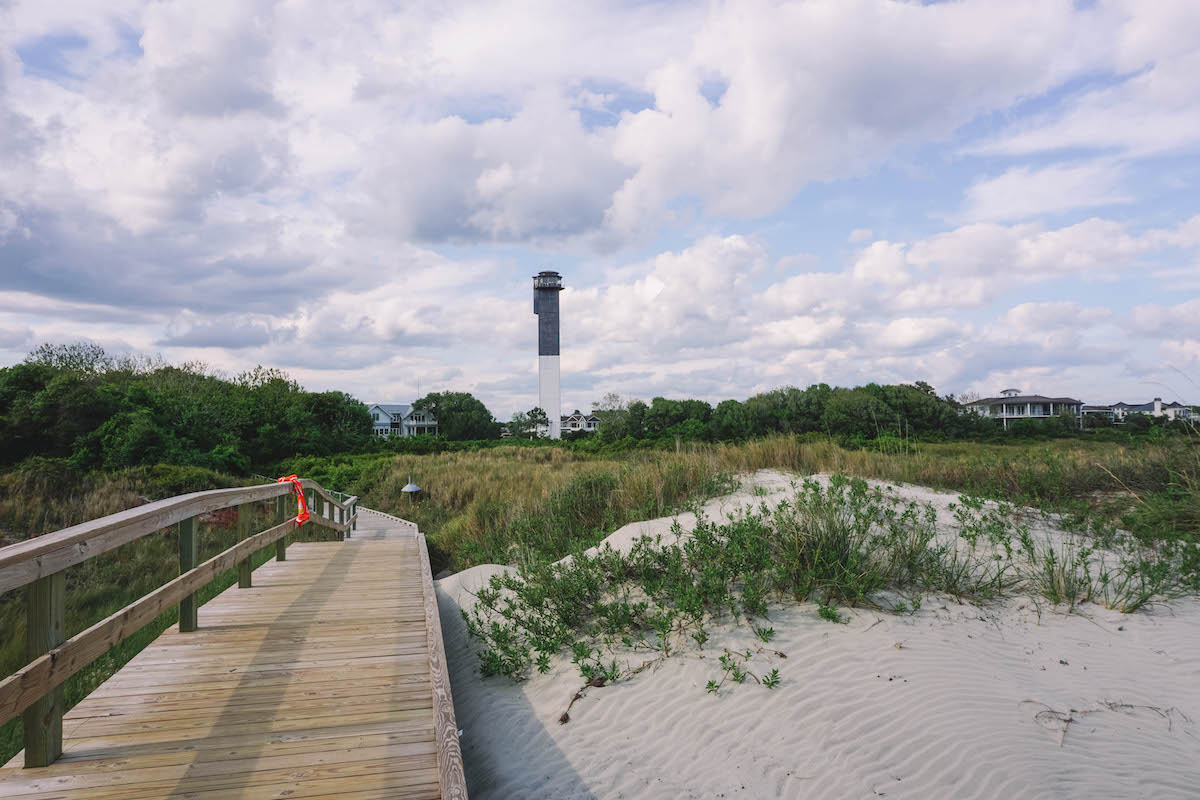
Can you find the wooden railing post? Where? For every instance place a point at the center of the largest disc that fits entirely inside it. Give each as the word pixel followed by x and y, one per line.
pixel 338 514
pixel 281 515
pixel 245 517
pixel 354 516
pixel 45 601
pixel 189 555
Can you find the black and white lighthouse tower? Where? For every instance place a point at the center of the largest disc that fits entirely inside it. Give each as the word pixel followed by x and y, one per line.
pixel 546 286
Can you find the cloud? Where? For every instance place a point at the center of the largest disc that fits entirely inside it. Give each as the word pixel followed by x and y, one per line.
pixel 1170 322
pixel 229 334
pixel 362 196
pixel 1022 193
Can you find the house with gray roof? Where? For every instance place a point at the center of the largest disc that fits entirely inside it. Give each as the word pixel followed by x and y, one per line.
pixel 393 419
pixel 1012 404
pixel 1155 408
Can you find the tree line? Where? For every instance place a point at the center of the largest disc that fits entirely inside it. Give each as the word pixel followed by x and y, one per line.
pixel 859 413
pixel 94 410
pixel 98 411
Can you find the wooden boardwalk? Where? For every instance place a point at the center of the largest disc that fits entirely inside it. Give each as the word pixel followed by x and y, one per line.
pixel 324 679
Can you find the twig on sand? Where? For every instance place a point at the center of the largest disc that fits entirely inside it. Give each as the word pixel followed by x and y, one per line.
pixel 1061 721
pixel 566 715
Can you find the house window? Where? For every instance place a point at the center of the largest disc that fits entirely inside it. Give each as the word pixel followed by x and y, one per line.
pixel 375 416
pixel 418 418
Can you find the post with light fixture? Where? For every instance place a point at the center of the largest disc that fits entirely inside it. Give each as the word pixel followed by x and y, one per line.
pixel 546 286
pixel 411 490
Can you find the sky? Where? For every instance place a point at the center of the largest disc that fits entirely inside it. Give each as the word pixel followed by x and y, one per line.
pixel 739 196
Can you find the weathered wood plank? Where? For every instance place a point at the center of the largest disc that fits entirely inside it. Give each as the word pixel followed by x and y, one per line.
pixel 189 554
pixel 451 777
pixel 245 514
pixel 20 689
pixel 280 516
pixel 45 606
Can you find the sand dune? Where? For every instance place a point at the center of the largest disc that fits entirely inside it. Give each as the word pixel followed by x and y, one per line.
pixel 954 701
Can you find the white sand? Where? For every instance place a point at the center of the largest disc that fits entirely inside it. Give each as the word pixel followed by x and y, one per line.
pixel 952 702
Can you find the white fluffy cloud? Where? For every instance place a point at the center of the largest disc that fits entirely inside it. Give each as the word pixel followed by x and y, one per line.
pixel 1024 193
pixel 359 195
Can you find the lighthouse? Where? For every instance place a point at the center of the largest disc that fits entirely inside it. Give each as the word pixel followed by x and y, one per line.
pixel 546 286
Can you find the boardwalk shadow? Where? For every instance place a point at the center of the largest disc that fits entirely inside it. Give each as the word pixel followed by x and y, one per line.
pixel 530 764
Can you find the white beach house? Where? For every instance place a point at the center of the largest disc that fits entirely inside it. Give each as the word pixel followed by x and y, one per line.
pixel 1155 408
pixel 391 419
pixel 1013 405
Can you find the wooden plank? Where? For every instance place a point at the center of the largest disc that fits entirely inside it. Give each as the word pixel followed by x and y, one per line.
pixel 20 689
pixel 45 604
pixel 451 778
pixel 252 770
pixel 189 554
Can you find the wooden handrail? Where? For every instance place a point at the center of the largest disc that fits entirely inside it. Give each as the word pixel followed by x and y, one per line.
pixel 25 562
pixel 35 690
pixel 25 686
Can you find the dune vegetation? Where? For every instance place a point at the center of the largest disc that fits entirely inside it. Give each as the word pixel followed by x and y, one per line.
pixel 529 506
pixel 510 504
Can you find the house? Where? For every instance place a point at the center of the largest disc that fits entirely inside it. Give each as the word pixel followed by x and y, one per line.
pixel 390 419
pixel 580 422
pixel 573 423
pixel 1155 408
pixel 1012 405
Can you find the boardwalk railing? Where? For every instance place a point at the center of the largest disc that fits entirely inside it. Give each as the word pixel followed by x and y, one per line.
pixel 39 564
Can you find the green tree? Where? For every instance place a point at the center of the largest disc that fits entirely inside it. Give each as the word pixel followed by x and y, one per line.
pixel 460 416
pixel 525 425
pixel 731 421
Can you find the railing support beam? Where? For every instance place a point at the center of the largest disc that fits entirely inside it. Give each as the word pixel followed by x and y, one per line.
pixel 189 556
pixel 45 602
pixel 281 515
pixel 245 518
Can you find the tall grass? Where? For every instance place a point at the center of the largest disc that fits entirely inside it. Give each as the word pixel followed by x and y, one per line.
pixel 505 504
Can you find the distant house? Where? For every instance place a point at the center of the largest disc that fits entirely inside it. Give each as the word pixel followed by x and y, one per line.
pixel 580 422
pixel 572 423
pixel 1155 408
pixel 391 419
pixel 1012 405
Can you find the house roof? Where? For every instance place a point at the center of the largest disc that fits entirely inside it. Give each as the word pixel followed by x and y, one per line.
pixel 1146 406
pixel 1025 398
pixel 394 409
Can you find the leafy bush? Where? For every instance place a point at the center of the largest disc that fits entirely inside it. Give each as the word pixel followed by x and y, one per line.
pixel 844 543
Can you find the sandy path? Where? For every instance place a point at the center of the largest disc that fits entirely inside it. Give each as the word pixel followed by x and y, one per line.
pixel 963 708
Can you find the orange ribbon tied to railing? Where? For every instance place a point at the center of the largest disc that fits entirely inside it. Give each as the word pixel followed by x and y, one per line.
pixel 302 505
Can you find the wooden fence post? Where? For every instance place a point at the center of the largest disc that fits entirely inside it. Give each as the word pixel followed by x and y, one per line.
pixel 281 544
pixel 354 516
pixel 245 517
pixel 45 600
pixel 189 554
pixel 339 514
